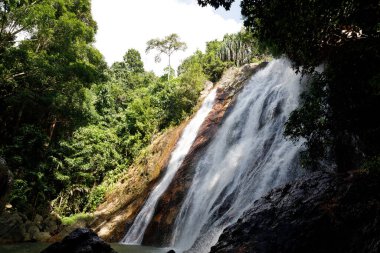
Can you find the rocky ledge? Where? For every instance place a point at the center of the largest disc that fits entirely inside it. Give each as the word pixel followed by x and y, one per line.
pixel 319 213
pixel 15 227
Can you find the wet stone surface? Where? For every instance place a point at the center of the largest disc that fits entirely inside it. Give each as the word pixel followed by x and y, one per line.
pixel 319 213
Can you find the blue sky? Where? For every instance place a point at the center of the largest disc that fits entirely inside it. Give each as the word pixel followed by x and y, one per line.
pixel 233 13
pixel 124 24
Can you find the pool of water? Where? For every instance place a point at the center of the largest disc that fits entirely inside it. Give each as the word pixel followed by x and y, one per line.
pixel 38 247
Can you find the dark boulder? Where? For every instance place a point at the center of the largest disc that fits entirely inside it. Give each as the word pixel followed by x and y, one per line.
pixel 81 240
pixel 12 228
pixel 320 213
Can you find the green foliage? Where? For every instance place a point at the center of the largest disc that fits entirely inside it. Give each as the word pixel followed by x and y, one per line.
pixel 373 165
pixel 217 3
pixel 133 62
pixel 311 121
pixel 240 48
pixel 89 154
pixel 71 199
pixel 177 99
pixel 44 87
pixel 323 26
pixel 130 108
pixel 19 194
pixel 131 65
pixel 213 65
pixel 95 198
pixel 74 219
pixel 234 50
pixel 141 122
pixel 337 114
pixel 32 186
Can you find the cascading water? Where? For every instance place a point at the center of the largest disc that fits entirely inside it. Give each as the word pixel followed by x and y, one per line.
pixel 247 157
pixel 136 231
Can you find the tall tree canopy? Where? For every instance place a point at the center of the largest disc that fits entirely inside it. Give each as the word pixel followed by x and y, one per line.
pixel 47 65
pixel 217 3
pixel 309 27
pixel 240 48
pixel 168 46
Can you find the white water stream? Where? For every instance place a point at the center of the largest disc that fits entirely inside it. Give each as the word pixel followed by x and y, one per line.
pixel 136 231
pixel 248 157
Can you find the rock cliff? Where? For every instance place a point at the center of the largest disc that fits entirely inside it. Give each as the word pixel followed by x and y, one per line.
pixel 319 213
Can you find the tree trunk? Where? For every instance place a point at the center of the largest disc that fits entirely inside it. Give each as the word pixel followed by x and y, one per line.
pixel 169 69
pixel 19 117
pixel 52 127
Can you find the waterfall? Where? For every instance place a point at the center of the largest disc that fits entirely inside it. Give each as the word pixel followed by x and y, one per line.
pixel 247 157
pixel 136 231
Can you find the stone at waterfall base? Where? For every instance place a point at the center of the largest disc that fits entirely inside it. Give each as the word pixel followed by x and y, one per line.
pixel 15 227
pixel 321 213
pixel 81 240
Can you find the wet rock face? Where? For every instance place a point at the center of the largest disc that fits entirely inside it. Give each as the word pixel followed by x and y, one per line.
pixel 320 213
pixel 81 240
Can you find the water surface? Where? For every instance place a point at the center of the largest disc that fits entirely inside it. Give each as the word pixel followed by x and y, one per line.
pixel 38 247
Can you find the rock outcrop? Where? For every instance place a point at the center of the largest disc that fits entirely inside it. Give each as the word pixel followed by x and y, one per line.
pixel 15 227
pixel 320 213
pixel 158 233
pixel 81 240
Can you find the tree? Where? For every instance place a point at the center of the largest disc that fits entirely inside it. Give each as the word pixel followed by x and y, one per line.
pixel 133 62
pixel 217 3
pixel 47 66
pixel 322 25
pixel 213 65
pixel 129 69
pixel 81 163
pixel 240 48
pixel 168 46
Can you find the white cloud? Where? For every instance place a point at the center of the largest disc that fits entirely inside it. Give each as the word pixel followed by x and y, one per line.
pixel 124 24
